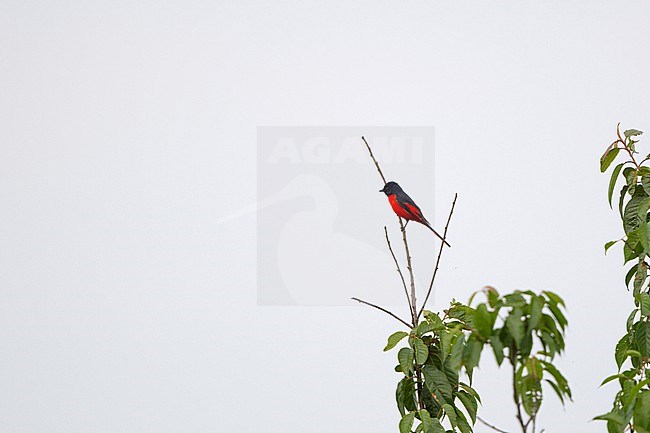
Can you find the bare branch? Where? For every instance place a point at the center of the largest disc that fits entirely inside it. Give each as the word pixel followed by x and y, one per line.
pixel 490 425
pixel 399 270
pixel 409 266
pixel 442 245
pixel 412 302
pixel 384 310
pixel 375 161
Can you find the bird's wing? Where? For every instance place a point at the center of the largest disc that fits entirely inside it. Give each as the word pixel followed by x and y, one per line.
pixel 409 205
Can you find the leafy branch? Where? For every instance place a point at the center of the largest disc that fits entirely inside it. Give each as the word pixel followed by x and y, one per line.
pixel 631 408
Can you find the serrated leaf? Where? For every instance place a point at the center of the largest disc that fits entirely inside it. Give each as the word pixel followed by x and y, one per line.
pixel 394 339
pixel 421 351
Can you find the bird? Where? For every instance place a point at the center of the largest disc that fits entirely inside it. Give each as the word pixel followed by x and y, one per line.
pixel 405 207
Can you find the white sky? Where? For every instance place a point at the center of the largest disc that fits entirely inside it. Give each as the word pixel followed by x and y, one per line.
pixel 129 129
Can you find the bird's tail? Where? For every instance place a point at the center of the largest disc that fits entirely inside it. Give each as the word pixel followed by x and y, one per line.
pixel 436 233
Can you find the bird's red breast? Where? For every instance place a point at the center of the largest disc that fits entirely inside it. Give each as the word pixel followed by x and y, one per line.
pixel 405 210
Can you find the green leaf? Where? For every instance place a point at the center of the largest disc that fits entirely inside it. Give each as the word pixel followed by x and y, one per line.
pixel 561 381
pixel 630 319
pixel 424 327
pixel 631 176
pixel 630 274
pixel 405 395
pixel 451 414
pixel 645 183
pixel 463 425
pixel 531 394
pixel 436 380
pixel 483 321
pixel 644 303
pixel 642 412
pixel 642 338
pixel 612 182
pixel 561 320
pixel 497 348
pixel 612 416
pixel 613 377
pixel 394 339
pixel 492 296
pixel 470 404
pixel 472 353
pixel 621 200
pixel 632 133
pixel 455 359
pixel 427 424
pixel 434 319
pixel 609 244
pixel 631 218
pixel 471 391
pixel 608 158
pixel 405 358
pixel 640 276
pixel 536 305
pixel 436 426
pixel 421 351
pixel 557 390
pixel 554 298
pixel 406 423
pixel 515 325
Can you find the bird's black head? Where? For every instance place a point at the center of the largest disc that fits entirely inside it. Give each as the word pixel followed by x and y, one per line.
pixel 391 188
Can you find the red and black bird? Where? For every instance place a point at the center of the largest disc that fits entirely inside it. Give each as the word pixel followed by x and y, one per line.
pixel 405 207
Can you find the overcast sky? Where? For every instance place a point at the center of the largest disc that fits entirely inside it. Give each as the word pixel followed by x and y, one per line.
pixel 129 167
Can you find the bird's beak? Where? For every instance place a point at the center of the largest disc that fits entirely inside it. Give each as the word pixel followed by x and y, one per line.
pixel 381 190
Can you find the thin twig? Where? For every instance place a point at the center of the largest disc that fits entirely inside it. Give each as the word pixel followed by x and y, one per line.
pixel 622 141
pixel 373 158
pixel 409 266
pixel 490 425
pixel 382 309
pixel 399 270
pixel 515 396
pixel 442 245
pixel 413 302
